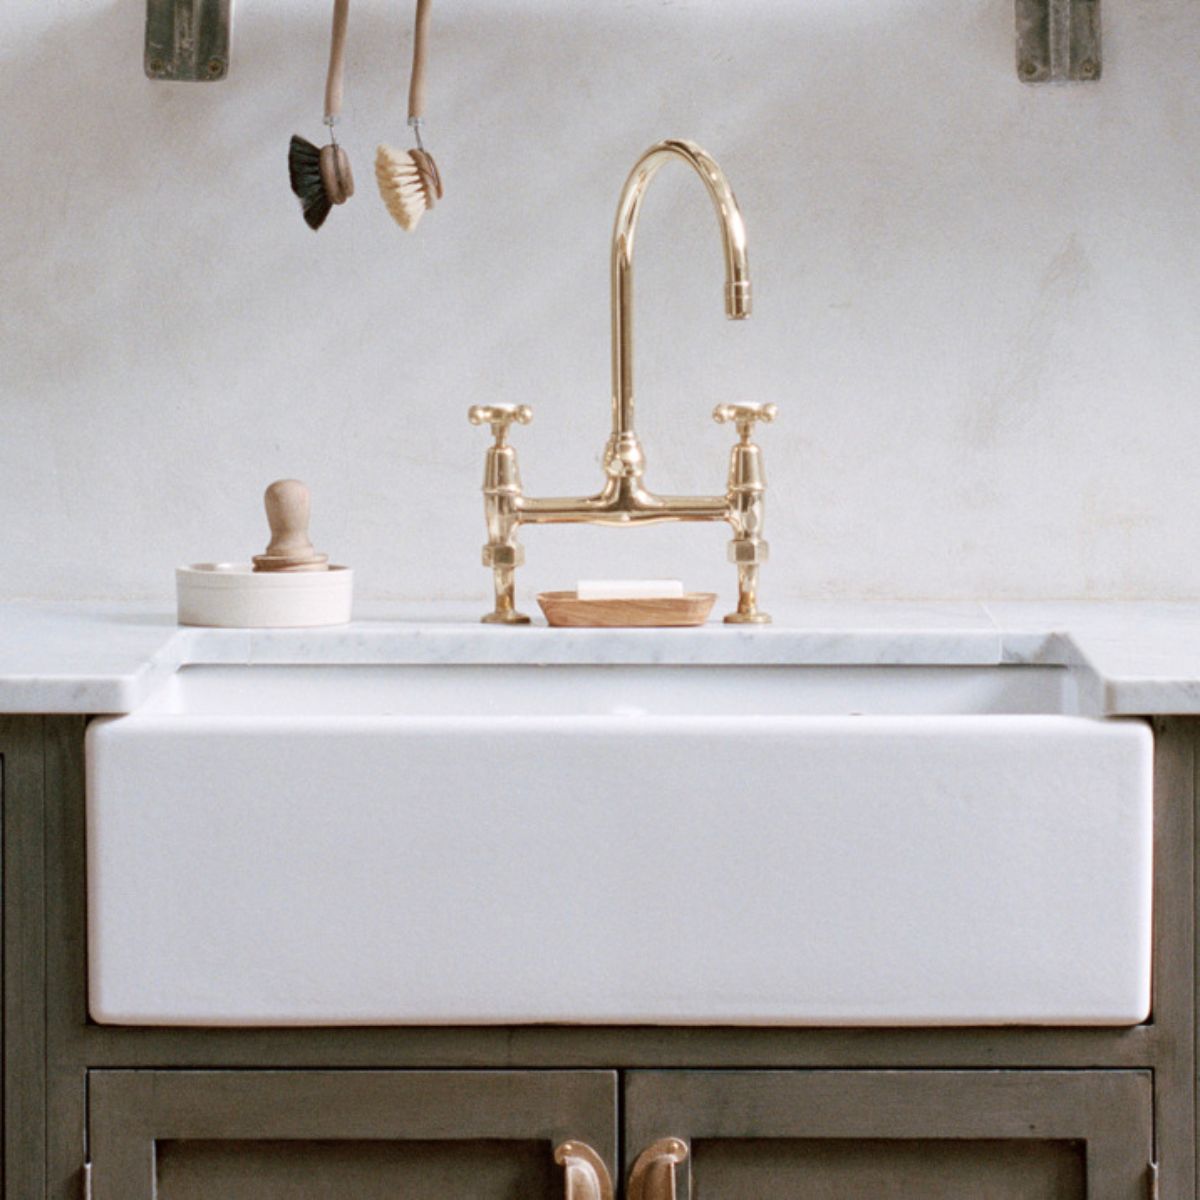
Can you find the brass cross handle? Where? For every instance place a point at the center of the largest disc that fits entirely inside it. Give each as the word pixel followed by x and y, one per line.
pixel 587 1177
pixel 744 416
pixel 499 417
pixel 653 1175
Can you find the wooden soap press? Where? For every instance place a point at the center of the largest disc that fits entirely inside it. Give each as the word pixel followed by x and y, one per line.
pixel 288 508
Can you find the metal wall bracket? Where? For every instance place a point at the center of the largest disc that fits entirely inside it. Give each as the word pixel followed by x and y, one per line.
pixel 1058 40
pixel 188 40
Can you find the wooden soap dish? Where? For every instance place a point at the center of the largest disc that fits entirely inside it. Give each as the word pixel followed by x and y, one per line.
pixel 566 609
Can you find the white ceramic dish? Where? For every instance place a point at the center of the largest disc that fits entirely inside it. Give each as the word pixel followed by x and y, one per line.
pixel 234 595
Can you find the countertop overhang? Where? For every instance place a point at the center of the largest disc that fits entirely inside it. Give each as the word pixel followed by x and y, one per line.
pixel 1130 658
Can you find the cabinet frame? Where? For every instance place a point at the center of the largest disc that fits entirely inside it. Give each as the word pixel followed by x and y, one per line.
pixel 23 961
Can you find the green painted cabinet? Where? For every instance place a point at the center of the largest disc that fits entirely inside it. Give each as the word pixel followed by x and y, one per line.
pixel 722 1113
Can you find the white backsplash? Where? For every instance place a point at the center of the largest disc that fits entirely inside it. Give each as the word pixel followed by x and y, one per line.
pixel 975 300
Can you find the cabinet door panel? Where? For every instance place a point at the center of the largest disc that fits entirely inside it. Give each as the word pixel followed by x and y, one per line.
pixel 891 1170
pixel 376 1170
pixel 896 1135
pixel 309 1135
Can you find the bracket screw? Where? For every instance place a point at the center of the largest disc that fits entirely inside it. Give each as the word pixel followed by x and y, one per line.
pixel 1087 69
pixel 157 66
pixel 216 67
pixel 1028 68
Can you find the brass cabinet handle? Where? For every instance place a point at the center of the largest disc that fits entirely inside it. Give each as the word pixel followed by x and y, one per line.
pixel 587 1177
pixel 653 1175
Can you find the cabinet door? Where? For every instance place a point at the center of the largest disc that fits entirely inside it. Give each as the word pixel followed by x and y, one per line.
pixel 889 1135
pixel 371 1135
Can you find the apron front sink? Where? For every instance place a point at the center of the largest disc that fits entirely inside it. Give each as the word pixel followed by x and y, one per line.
pixel 382 845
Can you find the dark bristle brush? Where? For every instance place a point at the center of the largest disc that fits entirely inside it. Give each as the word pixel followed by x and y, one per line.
pixel 321 177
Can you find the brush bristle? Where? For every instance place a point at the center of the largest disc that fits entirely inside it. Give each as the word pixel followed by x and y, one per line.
pixel 304 171
pixel 402 186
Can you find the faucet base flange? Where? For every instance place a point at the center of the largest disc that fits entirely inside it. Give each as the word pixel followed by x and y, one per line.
pixel 504 618
pixel 754 618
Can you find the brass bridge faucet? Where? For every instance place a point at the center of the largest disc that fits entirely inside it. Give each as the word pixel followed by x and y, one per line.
pixel 624 500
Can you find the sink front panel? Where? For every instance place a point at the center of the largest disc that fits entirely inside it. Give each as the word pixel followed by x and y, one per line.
pixel 275 868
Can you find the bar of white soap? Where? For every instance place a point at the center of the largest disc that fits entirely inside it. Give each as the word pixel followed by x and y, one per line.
pixel 628 589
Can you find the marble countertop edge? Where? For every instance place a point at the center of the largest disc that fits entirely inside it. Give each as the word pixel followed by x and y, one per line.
pixel 1129 658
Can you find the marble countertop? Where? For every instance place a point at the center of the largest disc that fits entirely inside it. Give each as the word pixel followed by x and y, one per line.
pixel 1131 658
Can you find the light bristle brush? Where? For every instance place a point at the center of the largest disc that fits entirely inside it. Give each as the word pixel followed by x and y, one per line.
pixel 321 177
pixel 408 179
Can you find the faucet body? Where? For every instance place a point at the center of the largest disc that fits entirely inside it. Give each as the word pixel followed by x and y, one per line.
pixel 624 499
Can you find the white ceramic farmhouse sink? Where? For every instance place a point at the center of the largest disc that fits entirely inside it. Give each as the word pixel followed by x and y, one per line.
pixel 765 845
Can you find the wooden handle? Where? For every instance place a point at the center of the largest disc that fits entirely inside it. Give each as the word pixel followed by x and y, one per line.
pixel 337 60
pixel 288 509
pixel 416 87
pixel 287 505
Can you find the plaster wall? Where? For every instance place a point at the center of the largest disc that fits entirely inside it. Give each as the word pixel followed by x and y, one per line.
pixel 975 300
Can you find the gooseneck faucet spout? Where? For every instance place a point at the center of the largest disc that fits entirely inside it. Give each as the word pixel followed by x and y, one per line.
pixel 733 238
pixel 624 499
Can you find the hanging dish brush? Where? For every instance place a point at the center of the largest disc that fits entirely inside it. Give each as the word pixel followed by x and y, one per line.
pixel 408 179
pixel 321 178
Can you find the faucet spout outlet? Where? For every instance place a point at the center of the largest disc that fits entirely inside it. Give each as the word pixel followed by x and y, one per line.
pixel 623 499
